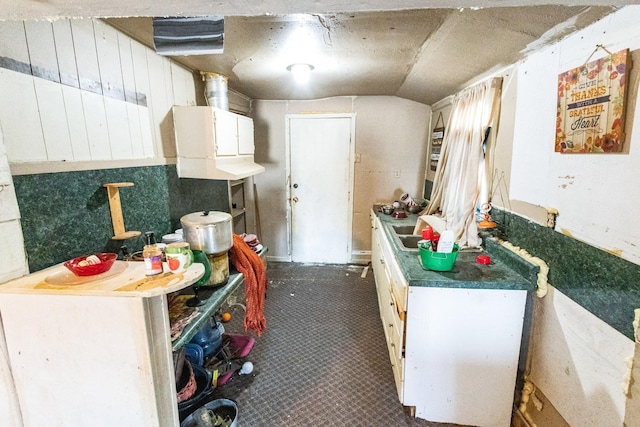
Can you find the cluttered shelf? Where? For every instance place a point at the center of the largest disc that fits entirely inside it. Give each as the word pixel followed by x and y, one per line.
pixel 196 317
pixel 187 321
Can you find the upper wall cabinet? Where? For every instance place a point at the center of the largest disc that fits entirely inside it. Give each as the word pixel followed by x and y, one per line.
pixel 213 143
pixel 245 135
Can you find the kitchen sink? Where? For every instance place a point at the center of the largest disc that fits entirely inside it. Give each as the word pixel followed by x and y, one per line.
pixel 410 242
pixel 403 229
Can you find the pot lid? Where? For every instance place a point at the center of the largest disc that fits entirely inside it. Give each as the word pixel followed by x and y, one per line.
pixel 204 218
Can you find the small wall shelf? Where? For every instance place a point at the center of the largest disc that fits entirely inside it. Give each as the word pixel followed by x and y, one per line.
pixel 237 206
pixel 115 206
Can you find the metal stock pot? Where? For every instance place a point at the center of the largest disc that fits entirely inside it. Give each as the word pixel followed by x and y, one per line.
pixel 208 231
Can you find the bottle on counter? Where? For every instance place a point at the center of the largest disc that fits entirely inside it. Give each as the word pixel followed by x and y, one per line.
pixel 152 255
pixel 427 233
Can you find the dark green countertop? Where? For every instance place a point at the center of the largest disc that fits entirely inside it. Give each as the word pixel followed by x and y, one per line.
pixel 603 283
pixel 506 271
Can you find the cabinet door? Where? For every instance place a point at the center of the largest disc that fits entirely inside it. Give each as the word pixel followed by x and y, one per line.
pixel 85 371
pixel 226 126
pixel 376 255
pixel 245 135
pixel 397 283
pixel 194 129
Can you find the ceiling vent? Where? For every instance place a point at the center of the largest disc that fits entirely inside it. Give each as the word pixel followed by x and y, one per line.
pixel 177 36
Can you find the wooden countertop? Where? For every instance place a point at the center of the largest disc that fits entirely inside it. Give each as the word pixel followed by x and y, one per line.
pixel 126 279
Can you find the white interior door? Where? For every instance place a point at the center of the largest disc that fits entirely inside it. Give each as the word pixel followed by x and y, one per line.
pixel 320 187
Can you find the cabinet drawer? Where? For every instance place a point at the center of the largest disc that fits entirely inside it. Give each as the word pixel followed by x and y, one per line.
pixel 391 322
pixel 394 348
pixel 394 327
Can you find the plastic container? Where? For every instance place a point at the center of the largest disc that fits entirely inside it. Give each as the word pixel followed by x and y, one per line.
pixel 223 407
pixel 194 353
pixel 483 259
pixel 427 233
pixel 106 262
pixel 152 255
pixel 438 261
pixel 172 238
pixel 204 387
pixel 209 337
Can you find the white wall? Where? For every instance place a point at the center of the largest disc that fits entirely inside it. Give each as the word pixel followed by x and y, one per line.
pixel 14 262
pixel 48 123
pixel 95 95
pixel 391 136
pixel 577 361
pixel 586 189
pixel 13 265
pixel 51 121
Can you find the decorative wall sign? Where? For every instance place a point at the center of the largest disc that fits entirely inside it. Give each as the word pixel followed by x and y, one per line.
pixel 436 143
pixel 591 105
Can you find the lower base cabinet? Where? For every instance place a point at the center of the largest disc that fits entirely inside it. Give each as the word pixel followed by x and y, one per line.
pixel 92 351
pixel 95 361
pixel 454 351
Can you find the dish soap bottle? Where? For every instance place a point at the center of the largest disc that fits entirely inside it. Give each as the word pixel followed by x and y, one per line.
pixel 152 255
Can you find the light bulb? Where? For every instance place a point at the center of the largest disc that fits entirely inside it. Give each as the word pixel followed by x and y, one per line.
pixel 301 72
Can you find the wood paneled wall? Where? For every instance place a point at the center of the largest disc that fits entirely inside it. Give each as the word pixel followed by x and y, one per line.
pixel 81 91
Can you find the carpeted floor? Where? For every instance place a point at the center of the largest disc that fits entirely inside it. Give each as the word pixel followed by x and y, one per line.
pixel 322 360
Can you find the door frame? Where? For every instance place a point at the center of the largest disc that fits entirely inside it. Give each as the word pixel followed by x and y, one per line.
pixel 351 166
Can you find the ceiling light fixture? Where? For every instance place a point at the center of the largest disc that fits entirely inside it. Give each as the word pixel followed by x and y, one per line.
pixel 300 72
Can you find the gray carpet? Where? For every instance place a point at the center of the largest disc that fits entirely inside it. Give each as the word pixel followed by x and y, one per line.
pixel 322 360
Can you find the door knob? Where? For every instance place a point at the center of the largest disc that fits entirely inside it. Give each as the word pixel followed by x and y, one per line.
pixel 295 185
pixel 295 199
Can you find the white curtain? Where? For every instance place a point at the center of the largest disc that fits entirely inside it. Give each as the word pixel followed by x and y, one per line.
pixel 462 168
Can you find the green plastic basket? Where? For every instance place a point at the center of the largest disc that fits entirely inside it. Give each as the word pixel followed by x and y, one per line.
pixel 438 261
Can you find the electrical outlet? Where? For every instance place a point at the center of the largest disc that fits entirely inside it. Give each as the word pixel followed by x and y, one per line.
pixel 396 173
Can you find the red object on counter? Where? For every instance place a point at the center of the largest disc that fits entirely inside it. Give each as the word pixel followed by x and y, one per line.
pixel 427 233
pixel 106 262
pixel 483 259
pixel 399 214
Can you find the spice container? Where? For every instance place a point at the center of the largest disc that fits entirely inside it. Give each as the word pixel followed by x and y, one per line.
pixel 152 255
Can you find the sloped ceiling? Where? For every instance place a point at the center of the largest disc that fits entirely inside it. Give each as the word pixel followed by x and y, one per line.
pixel 405 49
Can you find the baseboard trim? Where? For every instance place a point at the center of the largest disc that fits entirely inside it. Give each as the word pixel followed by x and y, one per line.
pixel 278 258
pixel 360 257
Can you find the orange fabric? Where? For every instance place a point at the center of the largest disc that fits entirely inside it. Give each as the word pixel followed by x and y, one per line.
pixel 248 262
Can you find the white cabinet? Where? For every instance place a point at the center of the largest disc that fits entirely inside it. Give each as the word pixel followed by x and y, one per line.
pixel 245 136
pixel 391 303
pixel 454 350
pixel 94 351
pixel 214 143
pixel 224 128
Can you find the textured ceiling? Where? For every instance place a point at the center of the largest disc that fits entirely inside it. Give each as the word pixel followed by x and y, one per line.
pixel 374 48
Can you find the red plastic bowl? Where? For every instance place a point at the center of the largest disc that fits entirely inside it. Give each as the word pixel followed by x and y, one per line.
pixel 107 259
